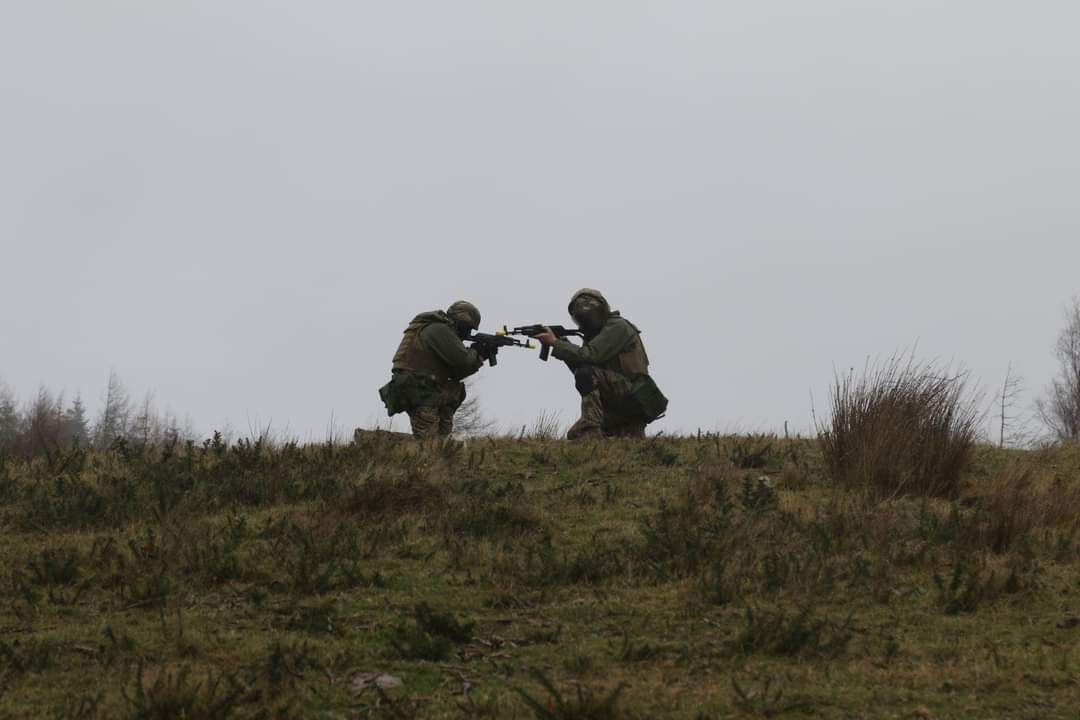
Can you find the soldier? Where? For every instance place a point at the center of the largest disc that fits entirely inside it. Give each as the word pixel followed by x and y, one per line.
pixel 429 366
pixel 611 371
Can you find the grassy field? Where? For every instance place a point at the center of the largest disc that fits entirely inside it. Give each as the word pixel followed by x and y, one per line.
pixel 701 577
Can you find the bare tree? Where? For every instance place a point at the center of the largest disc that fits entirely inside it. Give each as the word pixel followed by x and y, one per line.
pixel 10 419
pixel 470 421
pixel 43 422
pixel 76 428
pixel 112 422
pixel 145 426
pixel 1060 409
pixel 1007 400
pixel 170 429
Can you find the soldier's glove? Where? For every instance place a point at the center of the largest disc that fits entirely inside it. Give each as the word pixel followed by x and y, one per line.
pixel 584 380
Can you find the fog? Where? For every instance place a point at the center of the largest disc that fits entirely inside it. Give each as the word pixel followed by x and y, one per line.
pixel 241 205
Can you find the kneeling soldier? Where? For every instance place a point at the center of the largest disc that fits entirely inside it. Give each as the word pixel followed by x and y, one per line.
pixel 429 366
pixel 611 371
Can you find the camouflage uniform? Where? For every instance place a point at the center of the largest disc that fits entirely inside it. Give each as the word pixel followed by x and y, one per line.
pixel 611 371
pixel 428 368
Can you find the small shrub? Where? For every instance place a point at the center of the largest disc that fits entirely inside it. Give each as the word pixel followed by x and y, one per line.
pixel 545 566
pixel 116 647
pixel 176 695
pixel 65 502
pixel 482 508
pixel 317 560
pixel 657 452
pixel 283 664
pixel 31 656
pixel 584 704
pixel 1010 509
pixel 85 707
pixel 765 698
pixel 442 624
pixel 212 559
pixel 969 587
pixel 900 429
pixel 1006 512
pixel 777 632
pixel 433 635
pixel 631 651
pixel 55 567
pixel 681 538
pixel 313 618
pixel 387 495
pixel 151 591
pixel 752 452
pixel 8 485
pixel 413 643
pixel 579 664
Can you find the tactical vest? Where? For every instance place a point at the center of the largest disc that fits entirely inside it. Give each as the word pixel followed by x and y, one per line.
pixel 633 361
pixel 414 355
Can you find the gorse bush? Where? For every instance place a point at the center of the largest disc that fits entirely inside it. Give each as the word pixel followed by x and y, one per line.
pixel 900 428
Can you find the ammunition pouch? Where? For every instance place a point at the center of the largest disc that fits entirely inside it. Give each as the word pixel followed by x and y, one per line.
pixel 647 399
pixel 407 391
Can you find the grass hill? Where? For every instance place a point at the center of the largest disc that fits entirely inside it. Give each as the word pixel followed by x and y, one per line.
pixel 699 577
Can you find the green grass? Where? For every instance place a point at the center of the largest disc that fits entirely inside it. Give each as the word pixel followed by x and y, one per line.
pixel 532 579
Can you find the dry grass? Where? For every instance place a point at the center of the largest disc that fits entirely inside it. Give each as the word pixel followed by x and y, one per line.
pixel 675 577
pixel 900 428
pixel 1019 501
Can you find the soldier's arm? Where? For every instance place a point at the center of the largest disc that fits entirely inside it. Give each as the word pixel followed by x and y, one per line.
pixel 608 343
pixel 445 343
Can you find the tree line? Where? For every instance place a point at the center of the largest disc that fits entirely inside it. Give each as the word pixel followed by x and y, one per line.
pixel 50 421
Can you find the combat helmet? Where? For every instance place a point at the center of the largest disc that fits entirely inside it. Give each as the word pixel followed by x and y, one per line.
pixel 465 315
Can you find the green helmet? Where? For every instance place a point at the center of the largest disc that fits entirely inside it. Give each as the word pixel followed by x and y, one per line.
pixel 587 299
pixel 464 313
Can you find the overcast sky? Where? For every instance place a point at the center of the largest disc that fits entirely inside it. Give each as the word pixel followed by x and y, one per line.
pixel 241 204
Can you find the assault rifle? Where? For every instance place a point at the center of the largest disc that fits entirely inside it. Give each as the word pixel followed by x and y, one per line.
pixel 488 345
pixel 533 330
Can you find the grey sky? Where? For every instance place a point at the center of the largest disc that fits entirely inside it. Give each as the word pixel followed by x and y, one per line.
pixel 241 204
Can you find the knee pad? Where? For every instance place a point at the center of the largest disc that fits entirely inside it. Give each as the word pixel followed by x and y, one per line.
pixel 584 380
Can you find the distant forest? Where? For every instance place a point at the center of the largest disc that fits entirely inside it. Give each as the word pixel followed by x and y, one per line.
pixel 50 421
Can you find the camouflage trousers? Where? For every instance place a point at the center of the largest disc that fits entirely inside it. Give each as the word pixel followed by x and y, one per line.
pixel 437 420
pixel 606 410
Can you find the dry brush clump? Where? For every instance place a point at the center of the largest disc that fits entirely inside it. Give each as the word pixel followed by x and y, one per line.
pixel 900 428
pixel 733 536
pixel 1019 507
